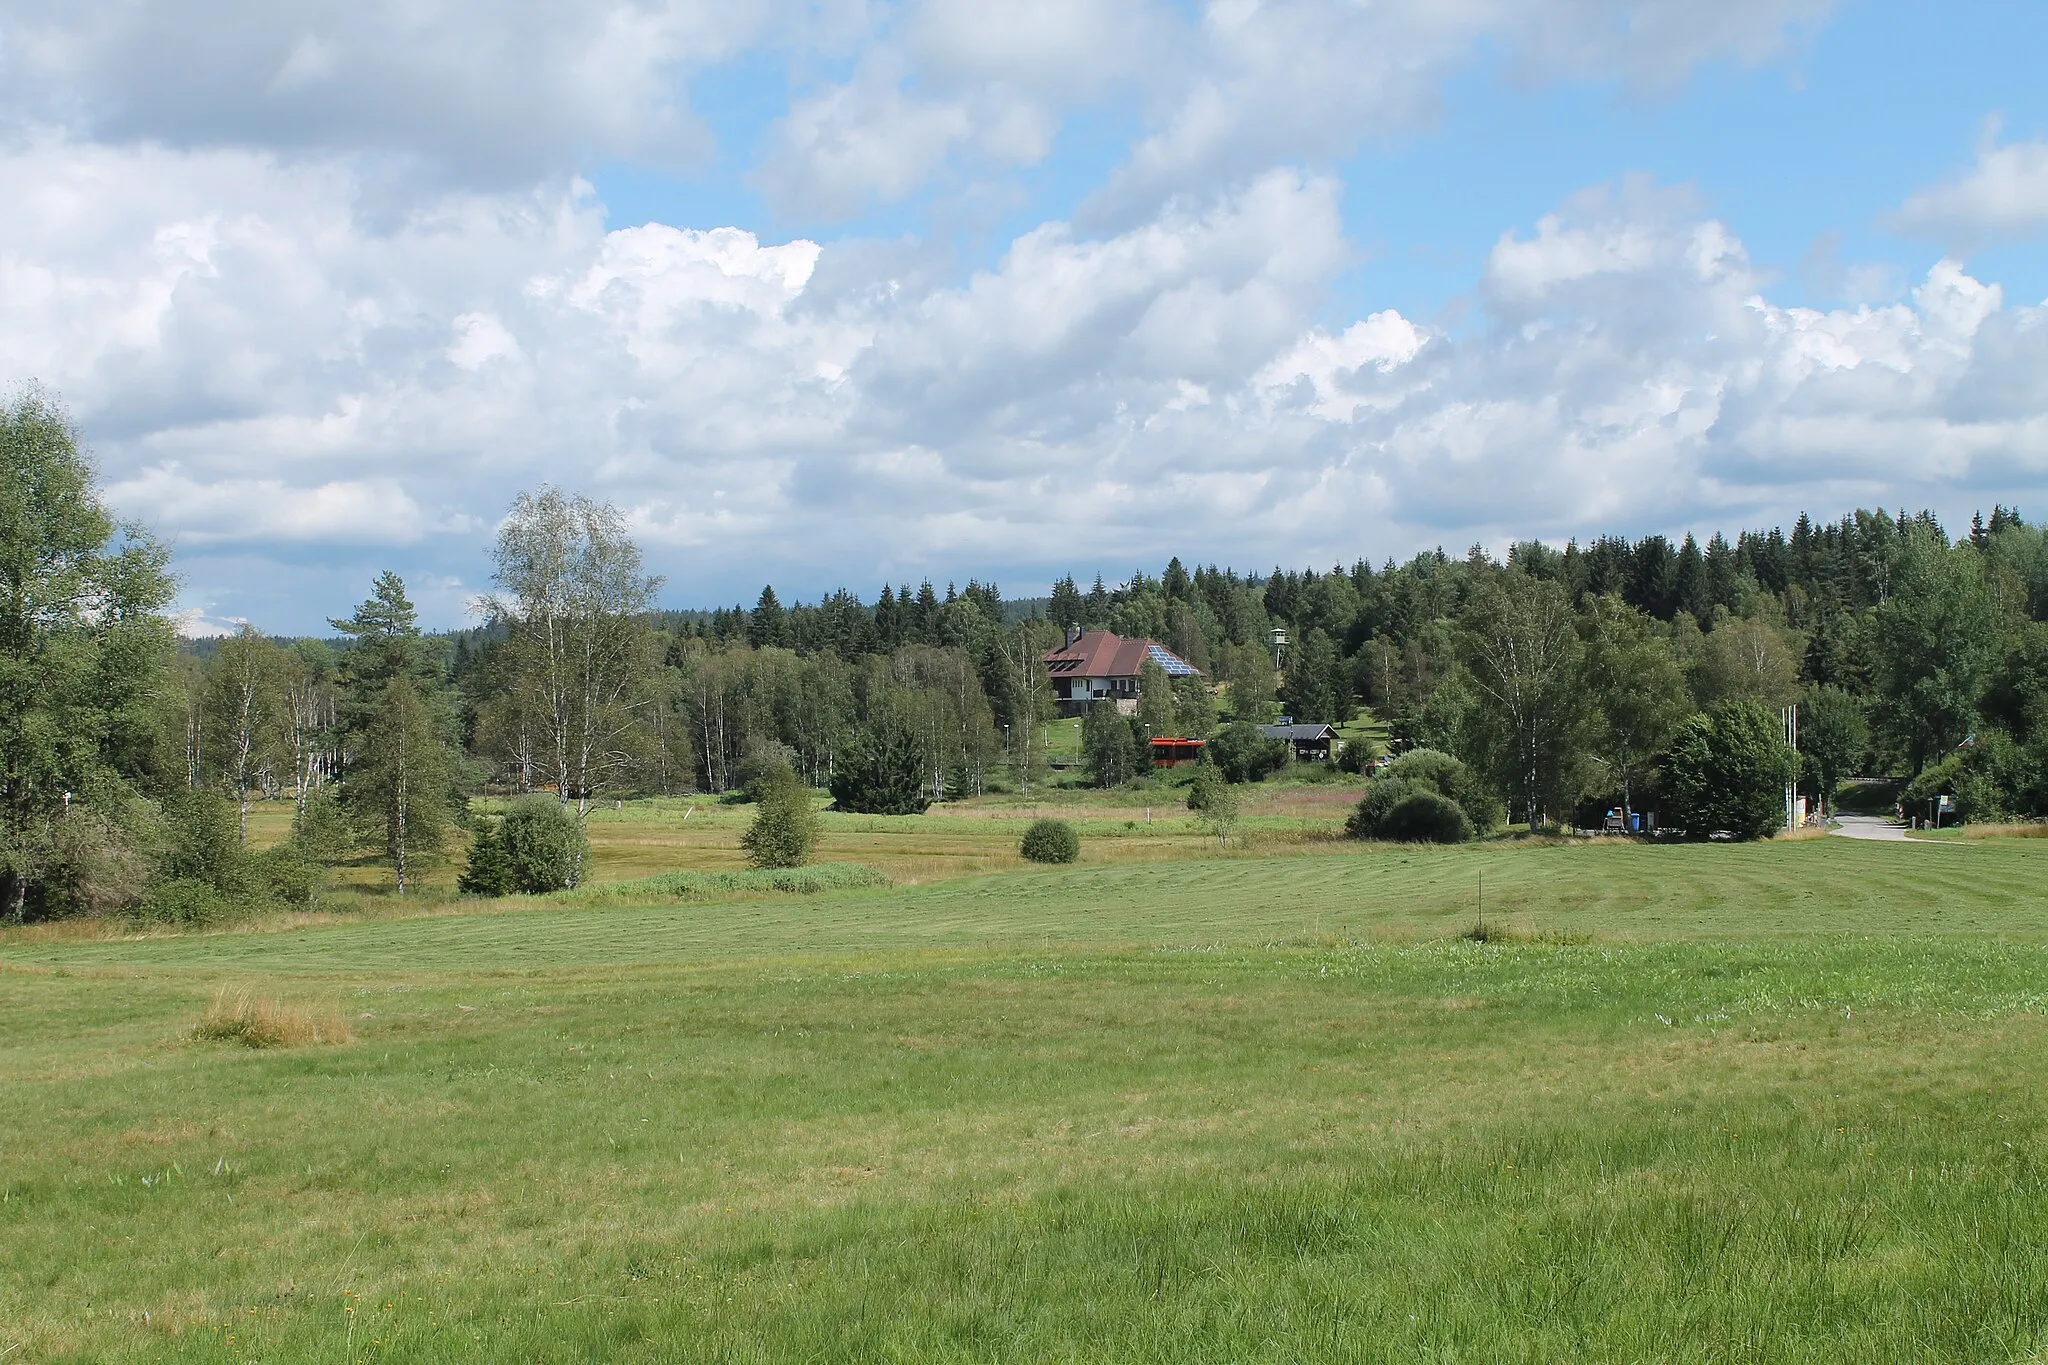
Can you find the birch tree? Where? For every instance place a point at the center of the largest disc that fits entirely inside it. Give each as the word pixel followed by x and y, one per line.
pixel 242 706
pixel 1521 655
pixel 1030 699
pixel 306 719
pixel 572 599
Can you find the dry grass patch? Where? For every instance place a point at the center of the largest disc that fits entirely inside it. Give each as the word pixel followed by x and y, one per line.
pixel 2017 829
pixel 238 1015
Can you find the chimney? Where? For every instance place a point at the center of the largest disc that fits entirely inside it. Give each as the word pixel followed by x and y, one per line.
pixel 1068 636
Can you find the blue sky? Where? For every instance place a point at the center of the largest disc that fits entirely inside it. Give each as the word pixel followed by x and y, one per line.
pixel 1803 156
pixel 839 291
pixel 1805 153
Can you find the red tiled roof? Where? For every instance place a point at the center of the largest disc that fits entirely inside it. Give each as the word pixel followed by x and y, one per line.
pixel 1099 654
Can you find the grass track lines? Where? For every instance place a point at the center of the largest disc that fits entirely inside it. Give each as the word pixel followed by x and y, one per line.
pixel 1341 891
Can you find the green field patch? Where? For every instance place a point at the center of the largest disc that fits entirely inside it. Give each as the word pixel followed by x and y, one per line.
pixel 1771 1103
pixel 698 886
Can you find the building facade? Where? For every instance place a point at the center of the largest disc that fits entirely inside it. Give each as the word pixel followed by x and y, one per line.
pixel 1091 666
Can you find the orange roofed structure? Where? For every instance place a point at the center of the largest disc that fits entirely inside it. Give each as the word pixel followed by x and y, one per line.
pixel 1094 665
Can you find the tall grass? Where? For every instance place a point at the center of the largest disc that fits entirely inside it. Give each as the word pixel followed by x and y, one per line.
pixel 238 1015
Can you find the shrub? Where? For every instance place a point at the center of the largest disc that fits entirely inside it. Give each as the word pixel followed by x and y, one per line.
pixel 1220 812
pixel 545 844
pixel 882 773
pixel 320 827
pixel 1727 772
pixel 1422 772
pixel 1426 817
pixel 203 842
pixel 101 859
pixel 287 875
pixel 785 828
pixel 183 901
pixel 1051 841
pixel 1243 753
pixel 1360 754
pixel 1206 787
pixel 1991 779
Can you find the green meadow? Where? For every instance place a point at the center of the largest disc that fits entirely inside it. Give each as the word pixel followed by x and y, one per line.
pixel 1178 1102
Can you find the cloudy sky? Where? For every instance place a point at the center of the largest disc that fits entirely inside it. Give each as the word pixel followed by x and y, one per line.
pixel 846 291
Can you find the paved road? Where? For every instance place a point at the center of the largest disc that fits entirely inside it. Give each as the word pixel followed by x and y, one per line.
pixel 1872 827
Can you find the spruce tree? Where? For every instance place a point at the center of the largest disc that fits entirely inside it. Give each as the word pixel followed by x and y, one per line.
pixel 765 623
pixel 882 773
pixel 400 780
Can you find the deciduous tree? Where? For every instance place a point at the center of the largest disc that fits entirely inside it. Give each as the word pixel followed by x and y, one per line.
pixel 1635 691
pixel 244 704
pixel 84 652
pixel 1934 640
pixel 1522 655
pixel 572 598
pixel 1107 745
pixel 1727 772
pixel 1832 738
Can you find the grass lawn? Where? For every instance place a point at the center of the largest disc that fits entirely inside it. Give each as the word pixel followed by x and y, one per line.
pixel 1771 1102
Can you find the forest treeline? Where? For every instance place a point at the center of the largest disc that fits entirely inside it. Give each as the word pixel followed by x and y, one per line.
pixel 1561 679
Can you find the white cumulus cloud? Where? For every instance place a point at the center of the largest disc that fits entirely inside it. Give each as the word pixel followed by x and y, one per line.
pixel 2002 197
pixel 488 92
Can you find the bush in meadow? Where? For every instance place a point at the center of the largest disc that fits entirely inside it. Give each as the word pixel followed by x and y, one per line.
pixel 1051 841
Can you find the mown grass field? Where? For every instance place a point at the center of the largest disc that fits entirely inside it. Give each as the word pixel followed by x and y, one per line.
pixel 1774 1102
pixel 663 834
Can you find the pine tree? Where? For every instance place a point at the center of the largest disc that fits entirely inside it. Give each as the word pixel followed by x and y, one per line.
pixel 1066 605
pixel 1174 583
pixel 1318 683
pixel 765 623
pixel 925 615
pixel 1095 610
pixel 400 778
pixel 1690 591
pixel 888 628
pixel 882 773
pixel 398 785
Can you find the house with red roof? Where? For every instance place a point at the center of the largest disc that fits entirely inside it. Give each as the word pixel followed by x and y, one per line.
pixel 1094 665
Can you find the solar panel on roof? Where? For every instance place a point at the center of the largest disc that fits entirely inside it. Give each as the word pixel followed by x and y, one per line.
pixel 1175 667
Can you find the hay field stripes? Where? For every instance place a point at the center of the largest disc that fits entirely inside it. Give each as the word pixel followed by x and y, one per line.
pixel 1799 888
